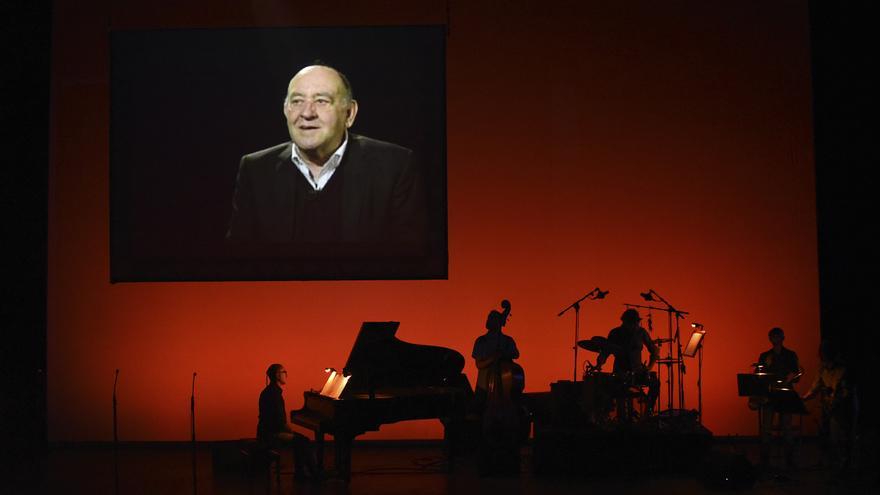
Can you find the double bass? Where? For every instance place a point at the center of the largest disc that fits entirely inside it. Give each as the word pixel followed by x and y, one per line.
pixel 505 420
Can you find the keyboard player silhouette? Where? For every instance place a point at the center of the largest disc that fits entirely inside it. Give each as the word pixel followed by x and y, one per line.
pixel 390 381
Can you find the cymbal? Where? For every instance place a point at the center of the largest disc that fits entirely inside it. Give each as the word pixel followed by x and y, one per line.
pixel 598 344
pixel 590 345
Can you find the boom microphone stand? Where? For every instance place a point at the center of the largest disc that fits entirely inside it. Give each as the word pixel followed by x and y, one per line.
pixel 594 294
pixel 670 378
pixel 650 295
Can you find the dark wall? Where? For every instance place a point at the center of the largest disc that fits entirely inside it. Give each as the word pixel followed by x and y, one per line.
pixel 24 118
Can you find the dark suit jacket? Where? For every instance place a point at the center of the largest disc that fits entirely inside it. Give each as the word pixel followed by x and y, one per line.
pixel 273 415
pixel 383 195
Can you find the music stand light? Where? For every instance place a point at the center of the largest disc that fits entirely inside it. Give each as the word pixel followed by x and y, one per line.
pixel 693 344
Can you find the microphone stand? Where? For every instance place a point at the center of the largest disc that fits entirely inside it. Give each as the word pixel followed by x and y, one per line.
pixel 592 295
pixel 115 438
pixel 670 309
pixel 668 361
pixel 659 343
pixel 681 366
pixel 192 412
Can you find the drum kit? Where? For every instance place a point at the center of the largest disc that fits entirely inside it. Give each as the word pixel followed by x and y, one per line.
pixel 602 390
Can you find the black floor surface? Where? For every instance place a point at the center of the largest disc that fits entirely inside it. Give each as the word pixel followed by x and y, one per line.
pixel 415 469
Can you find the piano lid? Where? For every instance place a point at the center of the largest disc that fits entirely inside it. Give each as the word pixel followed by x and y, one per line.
pixel 378 360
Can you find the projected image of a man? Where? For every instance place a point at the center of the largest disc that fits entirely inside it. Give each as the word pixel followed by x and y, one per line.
pixel 328 185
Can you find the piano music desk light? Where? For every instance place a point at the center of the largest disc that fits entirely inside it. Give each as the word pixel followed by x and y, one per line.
pixel 335 383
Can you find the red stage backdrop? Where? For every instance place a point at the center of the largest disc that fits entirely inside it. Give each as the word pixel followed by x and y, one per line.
pixel 627 145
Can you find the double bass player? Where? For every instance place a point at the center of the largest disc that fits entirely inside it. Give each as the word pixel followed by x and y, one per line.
pixel 500 383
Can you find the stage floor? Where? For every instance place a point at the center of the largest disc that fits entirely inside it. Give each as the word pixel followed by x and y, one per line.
pixel 399 468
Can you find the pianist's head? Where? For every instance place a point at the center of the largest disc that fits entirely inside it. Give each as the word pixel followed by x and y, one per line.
pixel 276 373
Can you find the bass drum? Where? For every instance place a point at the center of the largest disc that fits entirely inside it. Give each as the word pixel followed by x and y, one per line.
pixel 597 395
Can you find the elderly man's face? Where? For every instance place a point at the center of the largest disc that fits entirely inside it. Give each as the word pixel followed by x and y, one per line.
pixel 318 111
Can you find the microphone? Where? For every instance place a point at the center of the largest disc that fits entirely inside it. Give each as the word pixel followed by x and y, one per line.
pixel 647 295
pixel 600 294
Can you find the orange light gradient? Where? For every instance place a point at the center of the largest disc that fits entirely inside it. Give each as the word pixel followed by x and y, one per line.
pixel 652 145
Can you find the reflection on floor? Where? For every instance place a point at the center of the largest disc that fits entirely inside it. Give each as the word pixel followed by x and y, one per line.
pixel 407 469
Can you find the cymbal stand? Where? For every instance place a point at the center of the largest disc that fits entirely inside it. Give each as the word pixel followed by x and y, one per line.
pixel 596 293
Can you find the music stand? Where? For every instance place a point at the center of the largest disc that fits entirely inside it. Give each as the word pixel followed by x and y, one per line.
pixel 694 346
pixel 753 384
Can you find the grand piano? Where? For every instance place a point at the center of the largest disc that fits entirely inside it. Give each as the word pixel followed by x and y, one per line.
pixel 389 381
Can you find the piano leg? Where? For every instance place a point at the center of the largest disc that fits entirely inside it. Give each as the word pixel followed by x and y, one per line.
pixel 447 445
pixel 342 459
pixel 319 452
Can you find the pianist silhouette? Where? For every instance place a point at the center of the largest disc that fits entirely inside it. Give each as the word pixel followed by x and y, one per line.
pixel 273 430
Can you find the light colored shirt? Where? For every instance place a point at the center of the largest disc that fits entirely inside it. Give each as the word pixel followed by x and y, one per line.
pixel 831 384
pixel 327 170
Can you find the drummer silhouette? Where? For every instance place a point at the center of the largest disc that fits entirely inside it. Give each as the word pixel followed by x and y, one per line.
pixel 625 343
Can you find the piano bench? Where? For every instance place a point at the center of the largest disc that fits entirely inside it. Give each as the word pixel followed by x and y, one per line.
pixel 257 457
